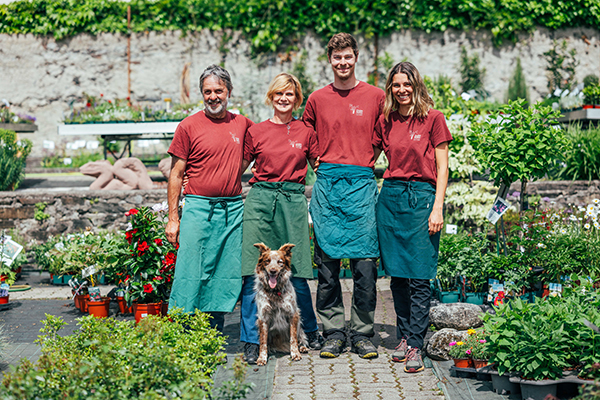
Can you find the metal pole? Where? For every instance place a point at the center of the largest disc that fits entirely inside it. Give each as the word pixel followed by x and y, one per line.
pixel 129 52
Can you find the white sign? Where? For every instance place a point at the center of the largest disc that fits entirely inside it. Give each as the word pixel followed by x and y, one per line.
pixel 498 209
pixel 48 144
pixel 451 229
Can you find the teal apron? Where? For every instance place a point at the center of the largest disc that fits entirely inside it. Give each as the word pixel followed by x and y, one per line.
pixel 342 208
pixel 276 213
pixel 208 269
pixel 407 249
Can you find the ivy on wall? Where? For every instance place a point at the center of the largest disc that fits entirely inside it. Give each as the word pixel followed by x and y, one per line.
pixel 270 23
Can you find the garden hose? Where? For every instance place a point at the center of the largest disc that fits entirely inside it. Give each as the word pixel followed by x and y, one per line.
pixel 19 288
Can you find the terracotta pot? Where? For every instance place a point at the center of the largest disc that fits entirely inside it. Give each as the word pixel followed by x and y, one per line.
pixel 463 362
pixel 99 309
pixel 588 106
pixel 546 291
pixel 123 309
pixel 480 363
pixel 84 303
pixel 143 310
pixel 4 300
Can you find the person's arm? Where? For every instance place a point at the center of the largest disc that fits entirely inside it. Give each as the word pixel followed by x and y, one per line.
pixel 173 193
pixel 314 163
pixel 436 218
pixel 245 164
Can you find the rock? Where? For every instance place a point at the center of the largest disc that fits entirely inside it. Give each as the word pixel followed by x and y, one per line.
pixel 165 167
pixel 437 346
pixel 459 316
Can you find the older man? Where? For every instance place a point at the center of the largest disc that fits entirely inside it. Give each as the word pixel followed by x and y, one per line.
pixel 208 148
pixel 344 114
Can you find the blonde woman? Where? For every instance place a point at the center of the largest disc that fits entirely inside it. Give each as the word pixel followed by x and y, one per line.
pixel 275 211
pixel 415 139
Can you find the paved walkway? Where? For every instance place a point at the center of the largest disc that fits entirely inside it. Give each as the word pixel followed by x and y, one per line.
pixel 346 377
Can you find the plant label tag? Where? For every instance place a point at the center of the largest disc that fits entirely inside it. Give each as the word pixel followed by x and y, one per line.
pixel 88 271
pixel 498 209
pixel 94 292
pixel 451 229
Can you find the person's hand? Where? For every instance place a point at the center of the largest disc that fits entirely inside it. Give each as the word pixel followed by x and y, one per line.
pixel 172 232
pixel 253 169
pixel 186 180
pixel 317 163
pixel 436 221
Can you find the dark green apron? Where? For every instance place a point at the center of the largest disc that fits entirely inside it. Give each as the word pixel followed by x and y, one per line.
pixel 407 249
pixel 208 269
pixel 276 213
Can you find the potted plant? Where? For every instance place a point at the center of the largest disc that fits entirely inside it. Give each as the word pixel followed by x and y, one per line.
pixel 479 351
pixel 460 352
pixel 591 95
pixel 447 275
pixel 150 262
pixel 474 263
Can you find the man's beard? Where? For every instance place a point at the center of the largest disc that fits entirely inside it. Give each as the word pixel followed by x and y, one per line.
pixel 215 112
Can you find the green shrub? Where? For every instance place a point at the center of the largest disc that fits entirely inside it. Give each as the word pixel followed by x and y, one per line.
pixel 590 80
pixel 561 66
pixel 110 359
pixel 517 87
pixel 13 154
pixel 582 154
pixel 471 74
pixel 592 94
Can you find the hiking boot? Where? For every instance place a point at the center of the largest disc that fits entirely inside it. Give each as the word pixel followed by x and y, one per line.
pixel 251 353
pixel 332 348
pixel 414 362
pixel 365 349
pixel 315 340
pixel 399 355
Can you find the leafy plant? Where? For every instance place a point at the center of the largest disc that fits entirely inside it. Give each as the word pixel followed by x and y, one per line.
pixel 517 87
pixel 13 154
pixel 39 214
pixel 592 94
pixel 8 117
pixel 471 74
pixel 518 143
pixel 590 80
pixel 582 154
pixel 308 85
pixel 459 349
pixel 158 358
pixel 561 66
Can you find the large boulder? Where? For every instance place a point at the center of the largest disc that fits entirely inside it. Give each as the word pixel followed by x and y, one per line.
pixel 460 316
pixel 437 346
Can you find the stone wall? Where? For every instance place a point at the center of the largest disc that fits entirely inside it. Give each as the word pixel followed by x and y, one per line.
pixel 44 77
pixel 74 210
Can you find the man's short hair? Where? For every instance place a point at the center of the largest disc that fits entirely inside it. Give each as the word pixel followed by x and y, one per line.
pixel 282 82
pixel 341 41
pixel 218 72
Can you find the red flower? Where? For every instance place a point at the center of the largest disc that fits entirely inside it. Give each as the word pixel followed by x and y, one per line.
pixel 88 104
pixel 101 95
pixel 142 247
pixel 158 241
pixel 158 278
pixel 133 211
pixel 176 246
pixel 109 102
pixel 129 235
pixel 169 259
pixel 148 288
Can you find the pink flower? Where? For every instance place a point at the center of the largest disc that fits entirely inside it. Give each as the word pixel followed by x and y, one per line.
pixel 452 344
pixel 482 341
pixel 468 352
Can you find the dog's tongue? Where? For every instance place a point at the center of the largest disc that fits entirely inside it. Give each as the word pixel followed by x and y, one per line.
pixel 273 281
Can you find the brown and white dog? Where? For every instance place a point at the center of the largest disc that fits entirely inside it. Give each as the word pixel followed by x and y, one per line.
pixel 278 313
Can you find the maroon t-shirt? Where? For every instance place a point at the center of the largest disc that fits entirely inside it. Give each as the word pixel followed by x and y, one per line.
pixel 409 144
pixel 344 121
pixel 280 154
pixel 213 149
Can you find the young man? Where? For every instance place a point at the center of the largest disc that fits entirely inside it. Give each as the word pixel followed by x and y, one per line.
pixel 342 207
pixel 208 148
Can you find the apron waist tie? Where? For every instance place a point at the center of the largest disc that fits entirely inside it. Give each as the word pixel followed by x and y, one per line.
pixel 279 191
pixel 213 204
pixel 412 196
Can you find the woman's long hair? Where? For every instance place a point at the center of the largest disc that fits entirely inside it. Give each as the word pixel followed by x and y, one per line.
pixel 421 101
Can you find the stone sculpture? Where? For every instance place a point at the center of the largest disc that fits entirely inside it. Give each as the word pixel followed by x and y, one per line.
pixel 165 167
pixel 125 174
pixel 459 316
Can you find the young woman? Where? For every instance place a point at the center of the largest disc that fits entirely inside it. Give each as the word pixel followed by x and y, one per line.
pixel 275 211
pixel 415 139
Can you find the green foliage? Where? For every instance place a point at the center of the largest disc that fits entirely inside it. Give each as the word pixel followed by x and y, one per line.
pixel 9 117
pixel 158 358
pixel 384 65
pixel 13 154
pixel 459 349
pixel 471 74
pixel 518 143
pixel 590 80
pixel 308 85
pixel 561 66
pixel 592 94
pixel 39 214
pixel 517 87
pixel 582 154
pixel 57 160
pixel 269 25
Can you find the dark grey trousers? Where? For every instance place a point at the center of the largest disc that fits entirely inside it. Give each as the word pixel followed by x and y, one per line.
pixel 412 298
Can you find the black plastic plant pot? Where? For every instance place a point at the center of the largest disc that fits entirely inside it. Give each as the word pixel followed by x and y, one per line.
pixel 537 390
pixel 503 385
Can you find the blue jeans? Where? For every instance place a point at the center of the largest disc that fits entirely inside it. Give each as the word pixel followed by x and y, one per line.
pixel 248 327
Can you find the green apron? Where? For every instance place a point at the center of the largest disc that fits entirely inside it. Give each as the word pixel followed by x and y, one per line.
pixel 208 269
pixel 407 249
pixel 276 213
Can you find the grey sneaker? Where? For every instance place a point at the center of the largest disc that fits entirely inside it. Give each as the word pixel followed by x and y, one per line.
pixel 251 353
pixel 365 349
pixel 315 340
pixel 332 348
pixel 414 361
pixel 399 355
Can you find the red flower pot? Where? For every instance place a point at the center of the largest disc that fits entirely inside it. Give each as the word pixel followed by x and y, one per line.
pixel 143 310
pixel 588 106
pixel 463 363
pixel 4 300
pixel 99 309
pixel 480 363
pixel 84 303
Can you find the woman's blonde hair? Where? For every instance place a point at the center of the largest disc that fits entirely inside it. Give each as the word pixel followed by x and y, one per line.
pixel 282 82
pixel 421 101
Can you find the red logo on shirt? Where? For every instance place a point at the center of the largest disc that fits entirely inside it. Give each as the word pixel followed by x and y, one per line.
pixel 356 111
pixel 235 138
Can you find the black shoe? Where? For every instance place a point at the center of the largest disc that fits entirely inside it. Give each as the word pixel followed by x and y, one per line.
pixel 365 349
pixel 251 353
pixel 332 348
pixel 315 340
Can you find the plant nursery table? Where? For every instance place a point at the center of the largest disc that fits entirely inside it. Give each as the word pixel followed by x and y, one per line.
pixel 122 131
pixel 585 116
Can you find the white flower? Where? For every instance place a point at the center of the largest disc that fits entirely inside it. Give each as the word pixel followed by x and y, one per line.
pixel 541 245
pixel 581 209
pixel 587 226
pixel 572 218
pixel 129 226
pixel 596 224
pixel 591 207
pixel 596 201
pixel 563 230
pixel 164 206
